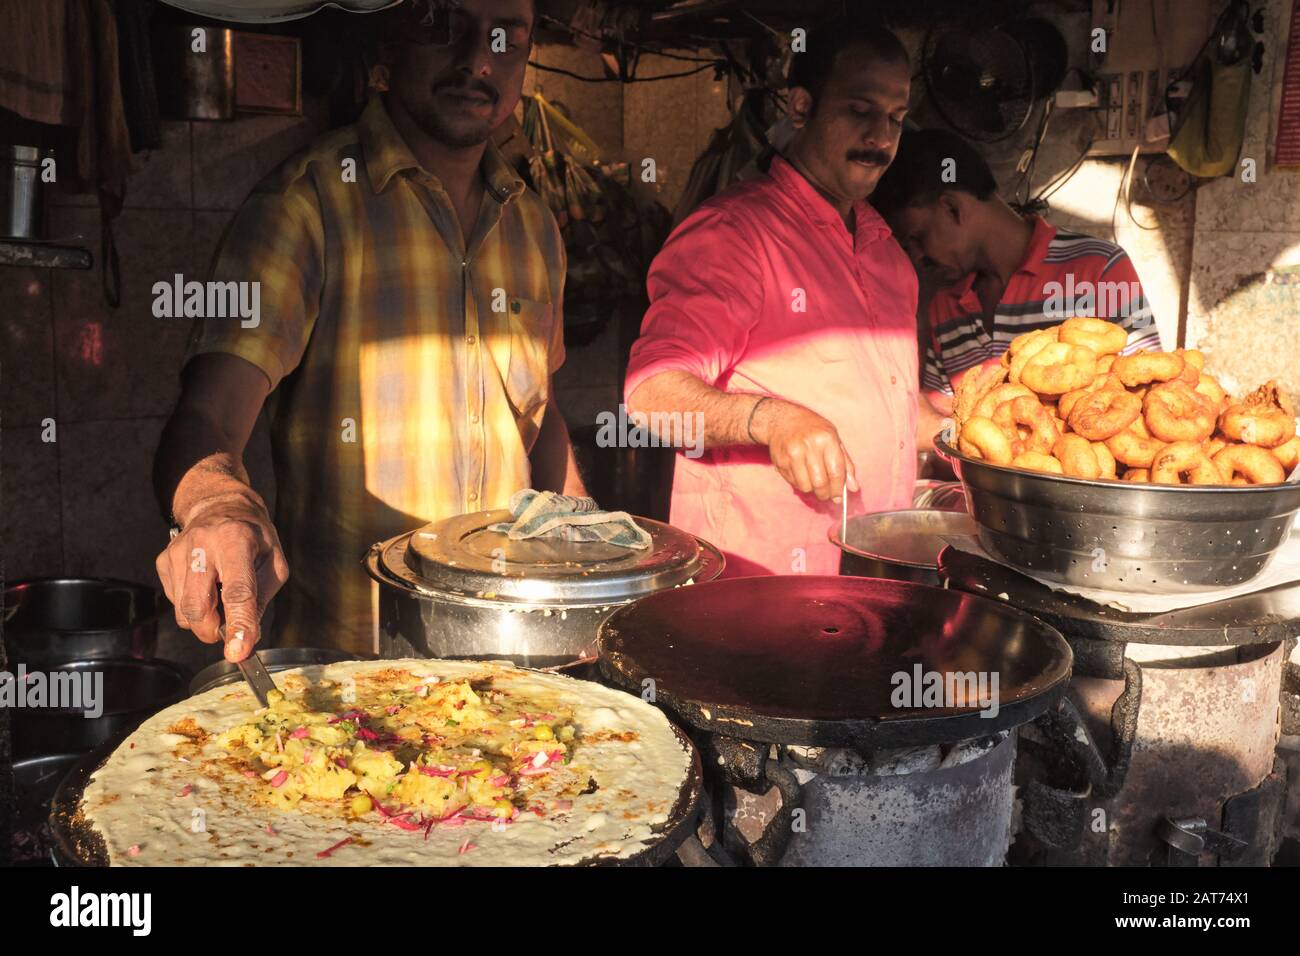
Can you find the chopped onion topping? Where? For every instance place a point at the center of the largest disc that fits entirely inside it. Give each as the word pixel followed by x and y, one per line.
pixel 342 843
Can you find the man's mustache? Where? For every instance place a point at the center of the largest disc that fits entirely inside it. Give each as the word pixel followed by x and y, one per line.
pixel 876 157
pixel 467 86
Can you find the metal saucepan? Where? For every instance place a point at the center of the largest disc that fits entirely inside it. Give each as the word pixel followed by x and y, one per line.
pixel 131 691
pixel 457 589
pixel 47 620
pixel 899 545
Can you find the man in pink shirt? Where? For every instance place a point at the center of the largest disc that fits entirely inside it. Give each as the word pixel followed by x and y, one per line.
pixel 783 316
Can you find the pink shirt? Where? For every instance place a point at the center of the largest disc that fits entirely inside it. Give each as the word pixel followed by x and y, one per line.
pixel 764 290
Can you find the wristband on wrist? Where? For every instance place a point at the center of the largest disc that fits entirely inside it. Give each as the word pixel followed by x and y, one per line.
pixel 749 425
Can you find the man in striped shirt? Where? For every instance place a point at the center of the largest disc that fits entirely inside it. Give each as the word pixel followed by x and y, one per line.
pixel 999 273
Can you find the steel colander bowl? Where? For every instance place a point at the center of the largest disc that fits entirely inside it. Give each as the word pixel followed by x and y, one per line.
pixel 1137 538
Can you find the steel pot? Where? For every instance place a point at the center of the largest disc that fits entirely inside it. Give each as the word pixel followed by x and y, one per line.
pixel 47 620
pixel 132 691
pixel 899 545
pixel 22 201
pixel 457 589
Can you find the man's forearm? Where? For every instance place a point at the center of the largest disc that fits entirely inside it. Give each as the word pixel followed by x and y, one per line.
pixel 196 462
pixel 928 424
pixel 726 418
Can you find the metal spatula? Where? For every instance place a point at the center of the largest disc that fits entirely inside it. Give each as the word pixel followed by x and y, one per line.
pixel 254 671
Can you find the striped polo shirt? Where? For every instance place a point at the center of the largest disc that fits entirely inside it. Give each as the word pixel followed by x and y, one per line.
pixel 1064 274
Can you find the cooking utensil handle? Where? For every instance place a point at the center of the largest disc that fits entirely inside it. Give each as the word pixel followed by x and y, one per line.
pixel 844 513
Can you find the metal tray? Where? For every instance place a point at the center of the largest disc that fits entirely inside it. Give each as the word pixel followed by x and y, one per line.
pixel 78 844
pixel 1124 536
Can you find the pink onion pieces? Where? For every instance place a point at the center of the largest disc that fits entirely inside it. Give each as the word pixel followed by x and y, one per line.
pixel 342 843
pixel 279 779
pixel 439 771
pixel 300 733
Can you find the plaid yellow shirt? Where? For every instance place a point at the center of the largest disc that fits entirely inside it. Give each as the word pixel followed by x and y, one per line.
pixel 410 370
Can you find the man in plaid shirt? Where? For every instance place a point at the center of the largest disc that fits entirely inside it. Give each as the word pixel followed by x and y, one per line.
pixel 410 321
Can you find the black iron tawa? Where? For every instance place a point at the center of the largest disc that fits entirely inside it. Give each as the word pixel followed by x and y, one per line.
pixel 815 660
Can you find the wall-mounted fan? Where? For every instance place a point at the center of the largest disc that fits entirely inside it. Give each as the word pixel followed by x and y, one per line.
pixel 984 80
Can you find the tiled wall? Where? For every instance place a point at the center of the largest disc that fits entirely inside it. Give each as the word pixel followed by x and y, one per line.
pixel 1244 303
pixel 82 504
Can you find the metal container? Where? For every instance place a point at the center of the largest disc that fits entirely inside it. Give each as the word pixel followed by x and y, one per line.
pixel 22 201
pixel 1122 535
pixel 899 545
pixel 200 85
pixel 943 495
pixel 273 659
pixel 131 691
pixel 48 620
pixel 457 589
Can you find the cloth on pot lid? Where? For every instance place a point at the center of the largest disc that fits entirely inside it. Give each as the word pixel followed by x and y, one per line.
pixel 545 514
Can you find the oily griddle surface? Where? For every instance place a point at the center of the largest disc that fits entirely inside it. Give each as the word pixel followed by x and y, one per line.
pixel 812 649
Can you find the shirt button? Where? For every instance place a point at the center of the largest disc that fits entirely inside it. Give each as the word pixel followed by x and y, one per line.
pixel 473 419
pixel 469 340
pixel 473 496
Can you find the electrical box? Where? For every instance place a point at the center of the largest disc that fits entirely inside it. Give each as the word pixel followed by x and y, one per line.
pixel 1149 44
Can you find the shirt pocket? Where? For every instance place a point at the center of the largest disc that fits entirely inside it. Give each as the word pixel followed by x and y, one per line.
pixel 525 370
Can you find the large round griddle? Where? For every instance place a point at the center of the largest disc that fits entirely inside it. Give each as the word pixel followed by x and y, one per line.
pixel 1263 617
pixel 76 843
pixel 811 660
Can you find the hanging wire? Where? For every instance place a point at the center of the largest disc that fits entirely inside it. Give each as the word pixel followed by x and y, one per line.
pixel 712 65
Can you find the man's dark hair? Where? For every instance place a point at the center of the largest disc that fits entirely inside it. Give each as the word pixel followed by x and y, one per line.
pixel 812 68
pixel 921 173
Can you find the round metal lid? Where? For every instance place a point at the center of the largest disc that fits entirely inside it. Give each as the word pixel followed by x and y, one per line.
pixel 461 556
pixel 817 660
